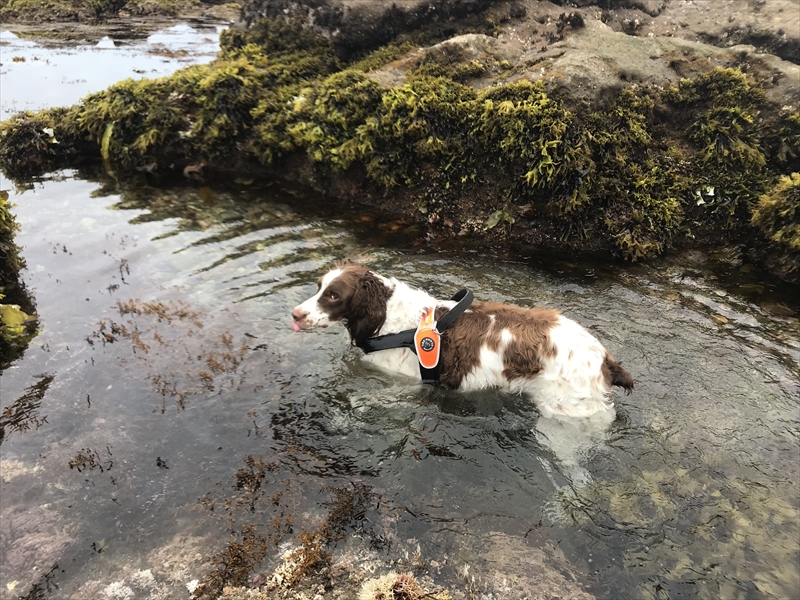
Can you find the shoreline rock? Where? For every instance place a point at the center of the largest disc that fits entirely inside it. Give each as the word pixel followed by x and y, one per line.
pixel 556 131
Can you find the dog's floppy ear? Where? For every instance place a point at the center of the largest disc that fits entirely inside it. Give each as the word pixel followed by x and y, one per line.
pixel 367 311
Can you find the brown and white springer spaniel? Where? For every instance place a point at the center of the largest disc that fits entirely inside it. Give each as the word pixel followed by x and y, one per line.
pixel 492 345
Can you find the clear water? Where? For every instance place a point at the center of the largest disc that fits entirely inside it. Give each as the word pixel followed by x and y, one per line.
pixel 36 74
pixel 692 493
pixel 125 421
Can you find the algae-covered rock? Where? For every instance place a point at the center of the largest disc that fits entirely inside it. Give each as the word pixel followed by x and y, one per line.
pixel 778 216
pixel 39 11
pixel 17 326
pixel 597 140
pixel 355 26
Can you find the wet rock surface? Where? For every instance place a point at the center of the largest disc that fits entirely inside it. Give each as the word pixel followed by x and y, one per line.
pixel 769 26
pixel 590 53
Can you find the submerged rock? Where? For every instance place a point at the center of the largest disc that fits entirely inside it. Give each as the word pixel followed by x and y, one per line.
pixel 41 539
pixel 522 570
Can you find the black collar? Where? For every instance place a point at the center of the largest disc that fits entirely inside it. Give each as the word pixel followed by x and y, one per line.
pixel 405 339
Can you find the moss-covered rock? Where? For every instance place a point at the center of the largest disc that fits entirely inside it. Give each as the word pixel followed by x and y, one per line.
pixel 356 27
pixel 89 10
pixel 17 327
pixel 38 142
pixel 778 216
pixel 647 170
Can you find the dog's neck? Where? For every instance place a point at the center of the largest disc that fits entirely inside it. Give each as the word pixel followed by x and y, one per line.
pixel 404 307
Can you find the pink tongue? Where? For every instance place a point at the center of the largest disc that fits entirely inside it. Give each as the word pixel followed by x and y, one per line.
pixel 295 326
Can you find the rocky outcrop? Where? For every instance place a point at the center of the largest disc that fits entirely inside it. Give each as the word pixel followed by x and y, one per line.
pixel 588 55
pixel 530 122
pixel 770 27
pixel 356 26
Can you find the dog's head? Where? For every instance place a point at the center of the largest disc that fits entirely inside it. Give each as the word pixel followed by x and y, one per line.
pixel 350 293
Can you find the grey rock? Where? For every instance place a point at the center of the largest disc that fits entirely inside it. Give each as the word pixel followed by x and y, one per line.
pixel 582 57
pixel 594 62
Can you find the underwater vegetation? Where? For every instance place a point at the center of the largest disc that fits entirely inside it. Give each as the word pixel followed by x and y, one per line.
pixel 24 412
pixel 155 329
pixel 271 554
pixel 650 170
pixel 262 495
pixel 655 499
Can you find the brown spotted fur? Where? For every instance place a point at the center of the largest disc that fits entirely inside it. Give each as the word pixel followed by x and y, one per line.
pixel 461 343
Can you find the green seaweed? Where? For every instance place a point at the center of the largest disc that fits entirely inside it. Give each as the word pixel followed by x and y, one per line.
pixel 417 123
pixel 382 56
pixel 729 165
pixel 17 326
pixel 642 195
pixel 778 217
pixel 33 143
pixel 528 128
pixel 449 61
pixel 782 142
pixel 326 117
pixel 11 261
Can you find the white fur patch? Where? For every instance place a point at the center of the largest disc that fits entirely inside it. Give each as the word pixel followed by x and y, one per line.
pixel 571 383
pixel 489 372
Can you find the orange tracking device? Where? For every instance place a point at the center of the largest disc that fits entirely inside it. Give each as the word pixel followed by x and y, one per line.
pixel 426 341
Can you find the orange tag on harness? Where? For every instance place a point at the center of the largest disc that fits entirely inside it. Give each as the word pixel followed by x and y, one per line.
pixel 426 341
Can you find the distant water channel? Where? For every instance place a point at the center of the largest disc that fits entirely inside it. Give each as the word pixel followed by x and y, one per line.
pixel 165 359
pixel 41 73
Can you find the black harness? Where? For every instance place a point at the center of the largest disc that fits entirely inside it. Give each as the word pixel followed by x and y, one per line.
pixel 405 339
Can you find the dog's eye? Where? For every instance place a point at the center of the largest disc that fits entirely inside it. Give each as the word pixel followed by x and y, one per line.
pixel 333 296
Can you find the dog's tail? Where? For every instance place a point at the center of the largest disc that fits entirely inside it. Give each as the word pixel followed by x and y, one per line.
pixel 616 375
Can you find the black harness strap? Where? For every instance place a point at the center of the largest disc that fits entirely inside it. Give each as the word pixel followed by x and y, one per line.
pixel 405 339
pixel 464 298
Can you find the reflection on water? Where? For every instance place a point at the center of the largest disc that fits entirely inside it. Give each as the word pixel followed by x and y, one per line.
pixel 166 406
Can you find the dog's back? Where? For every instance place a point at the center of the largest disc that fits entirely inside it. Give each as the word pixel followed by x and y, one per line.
pixel 534 350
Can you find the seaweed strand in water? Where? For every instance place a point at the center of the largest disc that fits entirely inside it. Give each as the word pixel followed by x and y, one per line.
pixel 250 542
pixel 24 412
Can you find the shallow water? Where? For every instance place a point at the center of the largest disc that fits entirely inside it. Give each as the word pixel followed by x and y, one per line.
pixel 165 358
pixel 692 493
pixel 35 74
